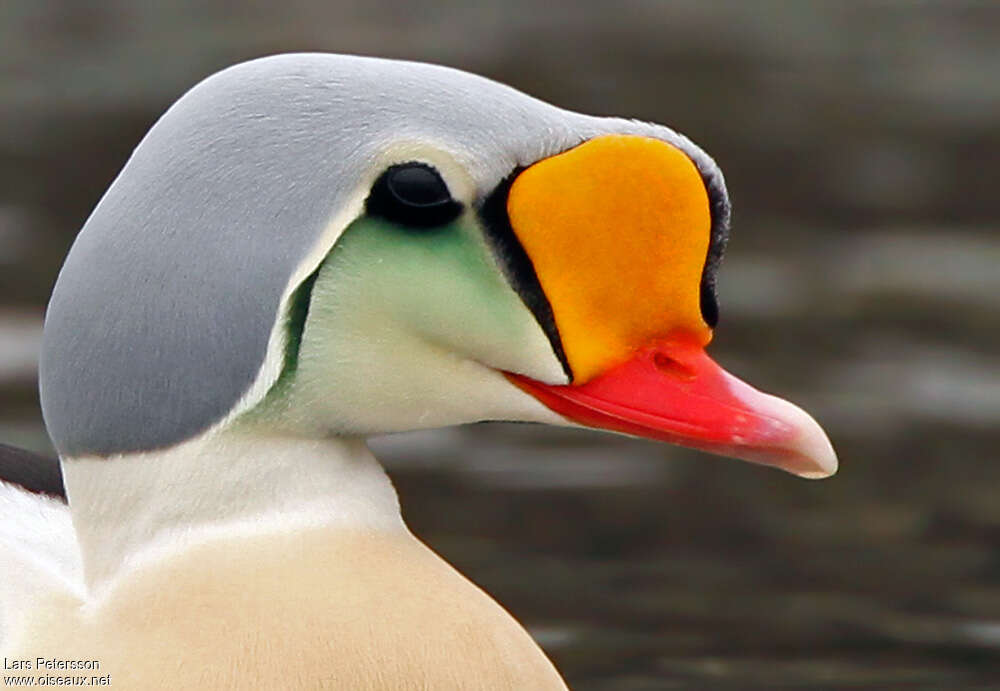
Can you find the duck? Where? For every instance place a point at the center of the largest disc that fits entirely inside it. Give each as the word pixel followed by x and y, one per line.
pixel 310 249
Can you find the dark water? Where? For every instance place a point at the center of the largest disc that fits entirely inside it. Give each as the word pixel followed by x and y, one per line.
pixel 860 142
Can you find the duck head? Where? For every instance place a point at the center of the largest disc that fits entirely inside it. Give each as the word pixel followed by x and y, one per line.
pixel 319 245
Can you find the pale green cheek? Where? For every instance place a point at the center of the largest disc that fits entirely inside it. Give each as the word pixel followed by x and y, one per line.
pixel 393 312
pixel 442 282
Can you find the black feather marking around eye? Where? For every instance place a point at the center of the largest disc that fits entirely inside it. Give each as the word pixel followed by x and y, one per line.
pixel 517 265
pixel 413 195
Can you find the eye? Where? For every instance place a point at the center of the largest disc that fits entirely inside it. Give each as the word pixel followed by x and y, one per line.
pixel 412 194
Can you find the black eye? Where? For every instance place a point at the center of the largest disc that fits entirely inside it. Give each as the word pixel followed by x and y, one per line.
pixel 412 194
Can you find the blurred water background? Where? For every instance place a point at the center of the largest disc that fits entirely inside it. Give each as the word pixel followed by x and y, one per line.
pixel 861 142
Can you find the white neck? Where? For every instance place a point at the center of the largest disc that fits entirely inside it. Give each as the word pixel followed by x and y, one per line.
pixel 131 509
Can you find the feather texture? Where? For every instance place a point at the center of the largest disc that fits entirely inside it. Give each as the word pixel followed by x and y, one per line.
pixel 40 555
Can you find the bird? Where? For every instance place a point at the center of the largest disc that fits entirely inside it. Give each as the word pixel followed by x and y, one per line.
pixel 309 249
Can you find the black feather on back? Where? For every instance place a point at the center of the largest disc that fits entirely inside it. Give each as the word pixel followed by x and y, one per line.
pixel 32 472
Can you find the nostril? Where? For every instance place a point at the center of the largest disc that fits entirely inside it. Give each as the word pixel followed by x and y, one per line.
pixel 668 365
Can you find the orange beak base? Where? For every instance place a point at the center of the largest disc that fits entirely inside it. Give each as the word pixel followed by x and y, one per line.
pixel 672 391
